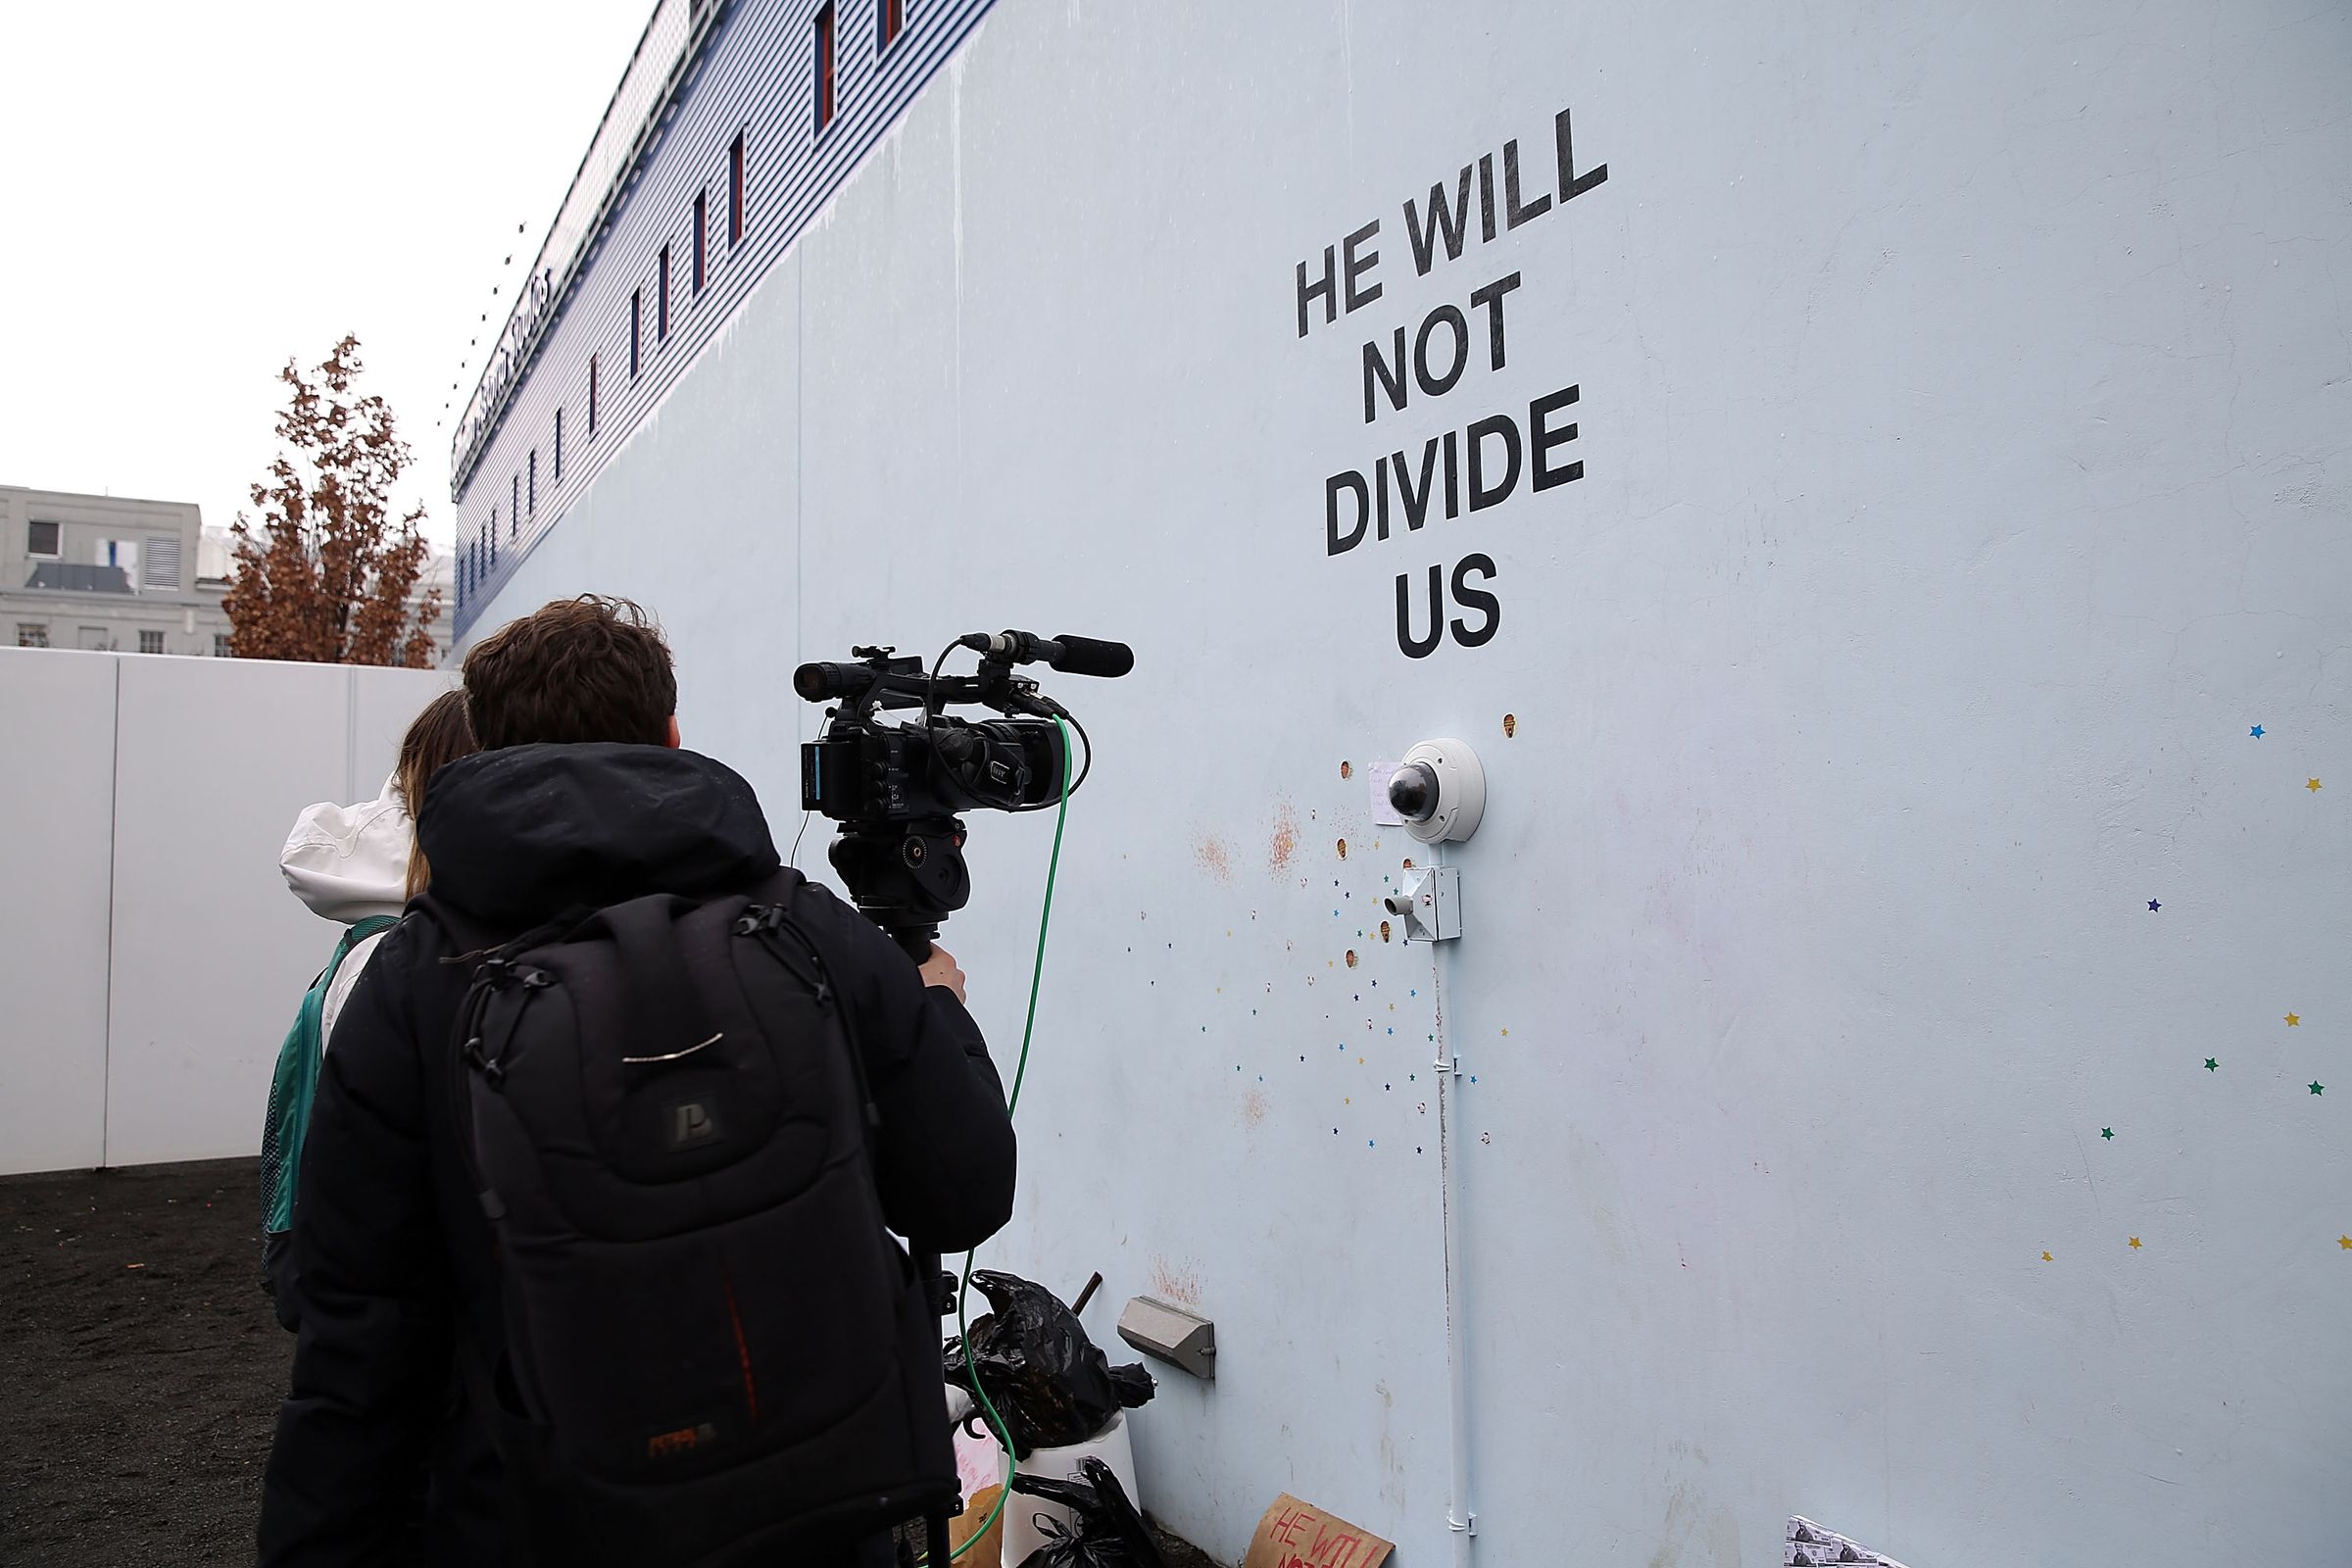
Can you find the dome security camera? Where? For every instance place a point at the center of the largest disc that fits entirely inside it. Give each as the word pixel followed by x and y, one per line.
pixel 1440 789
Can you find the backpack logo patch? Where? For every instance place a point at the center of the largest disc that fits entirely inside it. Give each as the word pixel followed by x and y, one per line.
pixel 691 1123
pixel 682 1441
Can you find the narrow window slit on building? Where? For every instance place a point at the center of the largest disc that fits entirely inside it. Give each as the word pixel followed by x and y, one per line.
pixel 824 68
pixel 702 207
pixel 735 190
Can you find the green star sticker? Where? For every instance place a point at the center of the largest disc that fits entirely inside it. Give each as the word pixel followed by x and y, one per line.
pixel 2316 1086
pixel 2106 1132
pixel 2212 1066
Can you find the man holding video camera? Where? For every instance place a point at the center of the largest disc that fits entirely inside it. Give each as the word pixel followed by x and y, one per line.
pixel 588 1132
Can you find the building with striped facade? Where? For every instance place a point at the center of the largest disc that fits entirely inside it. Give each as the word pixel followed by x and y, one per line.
pixel 733 123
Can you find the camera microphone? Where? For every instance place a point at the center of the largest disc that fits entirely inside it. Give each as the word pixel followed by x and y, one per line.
pixel 1072 656
pixel 1089 655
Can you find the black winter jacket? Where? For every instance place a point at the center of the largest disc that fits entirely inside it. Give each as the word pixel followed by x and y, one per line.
pixel 396 1272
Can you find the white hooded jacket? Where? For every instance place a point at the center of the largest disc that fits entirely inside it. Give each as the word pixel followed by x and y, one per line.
pixel 348 862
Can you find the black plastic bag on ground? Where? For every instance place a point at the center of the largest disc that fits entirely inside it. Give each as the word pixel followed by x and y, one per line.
pixel 1110 1533
pixel 1051 1384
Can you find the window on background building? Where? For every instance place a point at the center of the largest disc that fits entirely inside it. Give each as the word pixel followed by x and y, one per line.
pixel 158 563
pixel 662 301
pixel 701 214
pixel 891 21
pixel 534 481
pixel 494 523
pixel 636 331
pixel 151 642
pixel 824 69
pixel 43 539
pixel 735 191
pixel 592 394
pixel 220 644
pixel 560 445
pixel 30 635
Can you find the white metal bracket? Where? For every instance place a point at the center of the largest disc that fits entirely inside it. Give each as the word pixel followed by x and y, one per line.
pixel 1429 902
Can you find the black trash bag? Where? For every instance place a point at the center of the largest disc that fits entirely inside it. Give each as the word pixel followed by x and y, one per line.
pixel 1110 1533
pixel 1051 1384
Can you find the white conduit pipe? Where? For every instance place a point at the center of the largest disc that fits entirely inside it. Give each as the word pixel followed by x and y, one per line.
pixel 1460 1521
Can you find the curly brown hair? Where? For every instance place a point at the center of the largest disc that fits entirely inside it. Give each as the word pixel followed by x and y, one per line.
pixel 591 668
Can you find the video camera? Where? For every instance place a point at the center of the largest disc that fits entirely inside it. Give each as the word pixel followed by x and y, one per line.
pixel 897 788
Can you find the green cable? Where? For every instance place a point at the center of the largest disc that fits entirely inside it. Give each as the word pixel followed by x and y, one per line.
pixel 971 1367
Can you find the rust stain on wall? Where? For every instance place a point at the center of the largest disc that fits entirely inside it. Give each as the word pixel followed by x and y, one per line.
pixel 1172 1282
pixel 1210 855
pixel 1284 845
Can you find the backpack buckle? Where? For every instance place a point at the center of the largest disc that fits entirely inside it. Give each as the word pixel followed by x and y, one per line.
pixel 493 1072
pixel 759 917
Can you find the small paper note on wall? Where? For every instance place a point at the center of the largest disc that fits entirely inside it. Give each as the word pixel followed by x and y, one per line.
pixel 1299 1535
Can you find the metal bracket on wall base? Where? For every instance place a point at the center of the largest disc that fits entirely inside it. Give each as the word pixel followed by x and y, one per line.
pixel 1170 1334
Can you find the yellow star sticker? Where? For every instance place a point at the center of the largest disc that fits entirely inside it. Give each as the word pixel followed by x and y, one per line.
pixel 2312 786
pixel 2344 1241
pixel 2136 1244
pixel 2046 1259
pixel 2294 1020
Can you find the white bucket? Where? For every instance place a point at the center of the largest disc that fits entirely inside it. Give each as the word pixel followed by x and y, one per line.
pixel 1111 1445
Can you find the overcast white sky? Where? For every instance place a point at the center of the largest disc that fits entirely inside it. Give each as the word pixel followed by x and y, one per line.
pixel 191 194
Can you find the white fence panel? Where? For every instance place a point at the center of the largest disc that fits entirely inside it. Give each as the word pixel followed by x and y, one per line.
pixel 145 1004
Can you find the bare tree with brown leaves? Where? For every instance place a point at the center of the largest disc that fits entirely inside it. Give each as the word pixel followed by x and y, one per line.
pixel 326 574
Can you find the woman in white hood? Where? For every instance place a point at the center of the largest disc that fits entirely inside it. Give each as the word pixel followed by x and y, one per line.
pixel 349 862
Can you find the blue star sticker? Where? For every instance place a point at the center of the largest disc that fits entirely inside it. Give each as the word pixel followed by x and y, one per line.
pixel 2256 732
pixel 2153 906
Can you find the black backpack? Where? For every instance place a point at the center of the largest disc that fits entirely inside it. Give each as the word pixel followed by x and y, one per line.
pixel 714 1351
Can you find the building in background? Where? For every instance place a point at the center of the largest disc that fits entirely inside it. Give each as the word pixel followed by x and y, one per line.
pixel 122 575
pixel 108 572
pixel 734 123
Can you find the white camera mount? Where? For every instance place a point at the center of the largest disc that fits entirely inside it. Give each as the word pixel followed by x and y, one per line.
pixel 1440 789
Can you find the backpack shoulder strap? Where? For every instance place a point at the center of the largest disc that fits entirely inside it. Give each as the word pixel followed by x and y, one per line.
pixel 294 1082
pixel 359 931
pixel 769 919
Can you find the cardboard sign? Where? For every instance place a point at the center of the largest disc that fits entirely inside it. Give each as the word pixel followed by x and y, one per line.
pixel 990 1551
pixel 1299 1535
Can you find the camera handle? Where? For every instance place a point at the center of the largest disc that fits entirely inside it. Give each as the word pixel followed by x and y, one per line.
pixel 914 941
pixel 938 1284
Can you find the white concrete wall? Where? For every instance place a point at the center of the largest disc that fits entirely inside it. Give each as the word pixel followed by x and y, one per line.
pixel 150 954
pixel 1963 410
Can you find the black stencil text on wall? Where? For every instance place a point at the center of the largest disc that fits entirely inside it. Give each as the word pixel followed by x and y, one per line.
pixel 1462 471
